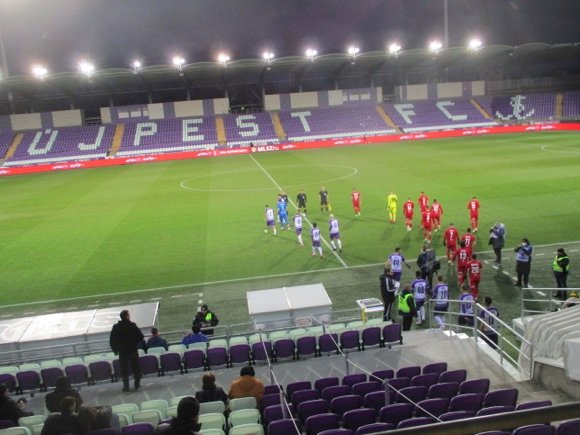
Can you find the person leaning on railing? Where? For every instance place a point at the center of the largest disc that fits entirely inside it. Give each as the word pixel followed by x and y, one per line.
pixel 560 267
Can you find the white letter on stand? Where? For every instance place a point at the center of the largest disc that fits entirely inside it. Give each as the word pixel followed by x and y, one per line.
pixel 144 129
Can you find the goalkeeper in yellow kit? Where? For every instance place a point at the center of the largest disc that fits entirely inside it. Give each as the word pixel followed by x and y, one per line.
pixel 392 207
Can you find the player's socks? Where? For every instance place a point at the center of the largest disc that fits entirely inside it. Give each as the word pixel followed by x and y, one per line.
pixel 274 230
pixel 332 244
pixel 340 245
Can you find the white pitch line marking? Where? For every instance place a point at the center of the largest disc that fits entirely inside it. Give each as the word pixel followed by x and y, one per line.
pixel 540 254
pixel 28 313
pixel 177 296
pixel 574 250
pixel 92 305
pixel 156 299
pixel 294 205
pixel 136 301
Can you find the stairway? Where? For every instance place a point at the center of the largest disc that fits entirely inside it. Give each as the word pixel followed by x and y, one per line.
pixel 117 140
pixel 278 126
pixel 221 131
pixel 381 111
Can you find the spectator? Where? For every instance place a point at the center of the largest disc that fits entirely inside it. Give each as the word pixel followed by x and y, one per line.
pixel 93 418
pixel 185 423
pixel 560 266
pixel 125 340
pixel 67 422
pixel 407 307
pixel 9 409
pixel 210 392
pixel 156 340
pixel 205 319
pixel 489 328
pixel 62 390
pixel 247 385
pixel 523 262
pixel 497 240
pixel 195 336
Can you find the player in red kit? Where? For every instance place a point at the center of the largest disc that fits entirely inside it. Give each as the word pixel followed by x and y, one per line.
pixel 474 268
pixel 423 202
pixel 473 207
pixel 462 256
pixel 355 196
pixel 427 222
pixel 469 240
pixel 408 208
pixel 450 237
pixel 436 213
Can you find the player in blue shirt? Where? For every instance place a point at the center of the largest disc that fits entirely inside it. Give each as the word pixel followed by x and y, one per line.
pixel 282 213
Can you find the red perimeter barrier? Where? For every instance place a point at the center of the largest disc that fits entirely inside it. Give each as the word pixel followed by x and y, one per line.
pixel 285 147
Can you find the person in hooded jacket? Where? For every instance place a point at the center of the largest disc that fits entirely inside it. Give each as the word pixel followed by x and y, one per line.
pixel 186 421
pixel 247 385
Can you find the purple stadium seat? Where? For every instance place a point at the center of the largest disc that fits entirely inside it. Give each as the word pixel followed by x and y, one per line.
pixel 438 368
pixel 328 343
pixel 276 412
pixel 292 387
pixel 330 393
pixel 362 388
pixel 311 407
pixel 569 427
pixel 416 421
pixel 240 354
pixel 339 431
pixel 284 427
pixel 28 381
pixel 353 378
pixel 408 372
pixel 480 386
pixel 149 365
pixel 303 395
pixel 306 346
pixel 382 374
pixel 322 383
pixel 392 334
pixel 170 362
pixel 216 357
pixel 397 384
pixel 453 376
pixel 396 413
pixel 466 402
pixel 261 351
pixel 456 415
pixel 412 394
pixel 284 348
pixel 50 375
pixel 375 400
pixel 350 340
pixel 426 380
pixel 492 410
pixel 273 388
pixel 339 405
pixel 194 359
pixel 101 371
pixel 8 380
pixel 270 400
pixel 533 404
pixel 371 337
pixel 138 429
pixel 77 374
pixel 535 429
pixel 431 407
pixel 446 389
pixel 374 428
pixel 320 422
pixel 502 397
pixel 356 418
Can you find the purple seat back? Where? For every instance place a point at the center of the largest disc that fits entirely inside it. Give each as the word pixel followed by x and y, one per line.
pixel 50 375
pixel 240 353
pixel 374 428
pixel 354 378
pixel 416 421
pixel 502 397
pixel 456 415
pixel 292 387
pixel 270 399
pixel 362 388
pixel 446 389
pixel 77 374
pixel 101 371
pixel 330 393
pixel 466 402
pixel 426 379
pixel 216 357
pixel 408 372
pixel 261 351
pixel 350 340
pixel 492 410
pixel 322 383
pixel 533 405
pixel 474 386
pixel 284 427
pixel 311 407
pixel 138 429
pixel 275 412
pixel 392 334
pixel 8 380
pixel 273 388
pixel 339 405
pixel 306 346
pixel 382 374
pixel 28 380
pixel 326 343
pixel 356 418
pixel 320 422
pixel 171 362
pixel 569 427
pixel 397 384
pixel 303 395
pixel 535 429
pixel 453 376
pixel 431 407
pixel 438 368
pixel 284 348
pixel 412 394
pixel 194 359
pixel 371 336
pixel 375 400
pixel 396 413
pixel 149 364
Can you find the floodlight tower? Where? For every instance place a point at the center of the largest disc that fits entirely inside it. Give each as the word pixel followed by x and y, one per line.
pixel 39 71
pixel 311 54
pixel 223 58
pixel 87 68
pixel 136 66
pixel 474 44
pixel 394 48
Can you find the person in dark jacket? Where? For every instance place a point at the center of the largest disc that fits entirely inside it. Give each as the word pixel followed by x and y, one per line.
pixel 205 319
pixel 65 422
pixel 185 423
pixel 125 340
pixel 389 288
pixel 62 390
pixel 210 392
pixel 560 267
pixel 9 409
pixel 156 340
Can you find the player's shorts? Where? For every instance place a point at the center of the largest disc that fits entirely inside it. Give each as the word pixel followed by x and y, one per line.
pixel 392 209
pixel 397 275
pixel 270 223
pixel 419 303
pixel 334 236
pixel 283 218
pixel 356 204
pixel 474 280
pixel 409 216
pixel 440 309
pixel 301 204
pixel 428 226
pixel 465 320
pixel 474 215
pixel 452 247
pixel 323 201
pixel 316 243
pixel 298 231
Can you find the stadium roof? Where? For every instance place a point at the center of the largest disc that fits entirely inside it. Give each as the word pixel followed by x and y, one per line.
pixel 294 73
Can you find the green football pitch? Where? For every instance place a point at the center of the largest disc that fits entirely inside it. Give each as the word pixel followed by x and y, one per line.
pixel 183 232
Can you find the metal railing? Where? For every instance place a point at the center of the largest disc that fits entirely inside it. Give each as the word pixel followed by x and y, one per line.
pixel 543 300
pixel 506 347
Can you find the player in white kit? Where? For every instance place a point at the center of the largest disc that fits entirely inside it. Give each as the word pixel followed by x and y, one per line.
pixel 315 235
pixel 334 233
pixel 298 227
pixel 270 223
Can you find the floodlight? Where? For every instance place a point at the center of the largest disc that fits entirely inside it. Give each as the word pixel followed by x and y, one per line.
pixel 86 68
pixel 178 61
pixel 137 64
pixel 268 56
pixel 39 71
pixel 435 46
pixel 394 48
pixel 223 58
pixel 311 53
pixel 475 44
pixel 353 51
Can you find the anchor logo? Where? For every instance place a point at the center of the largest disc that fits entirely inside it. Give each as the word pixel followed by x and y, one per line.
pixel 519 108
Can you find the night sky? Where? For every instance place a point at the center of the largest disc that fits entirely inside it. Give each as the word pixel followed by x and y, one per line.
pixel 111 33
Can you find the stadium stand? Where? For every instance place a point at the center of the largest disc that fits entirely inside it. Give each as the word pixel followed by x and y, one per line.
pixel 571 105
pixel 256 128
pixel 520 108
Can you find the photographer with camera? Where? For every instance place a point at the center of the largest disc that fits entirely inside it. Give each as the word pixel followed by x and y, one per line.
pixel 428 264
pixel 497 241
